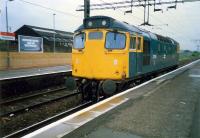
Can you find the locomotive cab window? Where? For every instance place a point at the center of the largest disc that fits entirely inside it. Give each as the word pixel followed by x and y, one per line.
pixel 115 40
pixel 79 41
pixel 133 43
pixel 95 35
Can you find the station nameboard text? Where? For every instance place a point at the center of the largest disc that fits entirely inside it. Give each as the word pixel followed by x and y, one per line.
pixel 30 44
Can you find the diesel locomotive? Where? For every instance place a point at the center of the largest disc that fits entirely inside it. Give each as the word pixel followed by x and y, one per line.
pixel 107 54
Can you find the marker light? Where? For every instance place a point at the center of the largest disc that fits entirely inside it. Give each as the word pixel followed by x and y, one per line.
pixel 90 23
pixel 104 22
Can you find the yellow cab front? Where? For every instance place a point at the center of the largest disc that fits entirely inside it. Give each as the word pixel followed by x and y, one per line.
pixel 100 54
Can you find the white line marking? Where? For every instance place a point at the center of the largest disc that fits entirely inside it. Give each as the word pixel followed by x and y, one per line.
pixel 70 123
pixel 194 76
pixel 100 103
pixel 160 81
pixel 96 112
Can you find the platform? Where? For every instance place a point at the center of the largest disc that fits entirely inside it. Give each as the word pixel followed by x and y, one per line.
pixel 21 73
pixel 167 106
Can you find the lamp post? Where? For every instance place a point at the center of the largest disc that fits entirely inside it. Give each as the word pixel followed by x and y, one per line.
pixel 8 49
pixel 54 34
pixel 7 14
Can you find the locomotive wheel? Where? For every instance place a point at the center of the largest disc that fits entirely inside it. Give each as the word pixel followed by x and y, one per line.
pixel 98 92
pixel 109 87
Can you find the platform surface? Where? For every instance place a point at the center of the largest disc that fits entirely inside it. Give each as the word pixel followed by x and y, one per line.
pixel 168 107
pixel 20 73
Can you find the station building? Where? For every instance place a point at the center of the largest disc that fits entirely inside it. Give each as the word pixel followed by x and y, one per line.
pixel 56 49
pixel 63 40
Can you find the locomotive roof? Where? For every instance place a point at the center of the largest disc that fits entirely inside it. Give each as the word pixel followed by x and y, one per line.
pixel 123 26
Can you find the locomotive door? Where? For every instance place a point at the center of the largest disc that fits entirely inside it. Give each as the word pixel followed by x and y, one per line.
pixel 139 50
pixel 135 55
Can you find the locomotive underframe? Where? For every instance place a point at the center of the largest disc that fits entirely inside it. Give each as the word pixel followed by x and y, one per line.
pixel 92 89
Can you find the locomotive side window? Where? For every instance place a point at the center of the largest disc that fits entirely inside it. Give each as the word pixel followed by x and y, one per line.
pixel 115 40
pixel 133 43
pixel 79 41
pixel 159 49
pixel 139 43
pixel 146 53
pixel 95 35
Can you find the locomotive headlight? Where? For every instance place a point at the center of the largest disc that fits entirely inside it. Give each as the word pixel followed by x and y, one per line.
pixel 104 22
pixel 115 61
pixel 90 23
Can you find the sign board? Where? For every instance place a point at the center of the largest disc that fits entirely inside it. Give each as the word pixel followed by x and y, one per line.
pixel 30 44
pixel 7 36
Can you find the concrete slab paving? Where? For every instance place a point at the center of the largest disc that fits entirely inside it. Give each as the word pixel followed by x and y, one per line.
pixel 109 133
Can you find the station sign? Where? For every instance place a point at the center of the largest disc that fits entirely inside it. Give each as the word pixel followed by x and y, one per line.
pixel 30 44
pixel 7 36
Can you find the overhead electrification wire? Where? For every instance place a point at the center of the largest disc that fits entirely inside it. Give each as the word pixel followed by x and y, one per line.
pixel 126 4
pixel 178 33
pixel 172 28
pixel 123 11
pixel 51 9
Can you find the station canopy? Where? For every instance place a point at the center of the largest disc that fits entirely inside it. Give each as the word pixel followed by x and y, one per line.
pixel 45 33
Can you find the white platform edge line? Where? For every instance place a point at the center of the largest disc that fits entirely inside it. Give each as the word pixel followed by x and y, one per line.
pixel 102 102
pixel 35 74
pixel 194 76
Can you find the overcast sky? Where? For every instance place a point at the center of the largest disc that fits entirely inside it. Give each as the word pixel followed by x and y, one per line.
pixel 183 23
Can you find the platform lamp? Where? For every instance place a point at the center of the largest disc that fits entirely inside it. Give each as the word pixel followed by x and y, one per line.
pixel 7 14
pixel 8 50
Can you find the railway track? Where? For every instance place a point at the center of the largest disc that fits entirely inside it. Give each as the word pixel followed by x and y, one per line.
pixel 30 95
pixel 48 121
pixel 22 104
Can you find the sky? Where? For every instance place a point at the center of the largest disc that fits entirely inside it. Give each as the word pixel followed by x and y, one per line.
pixel 181 24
